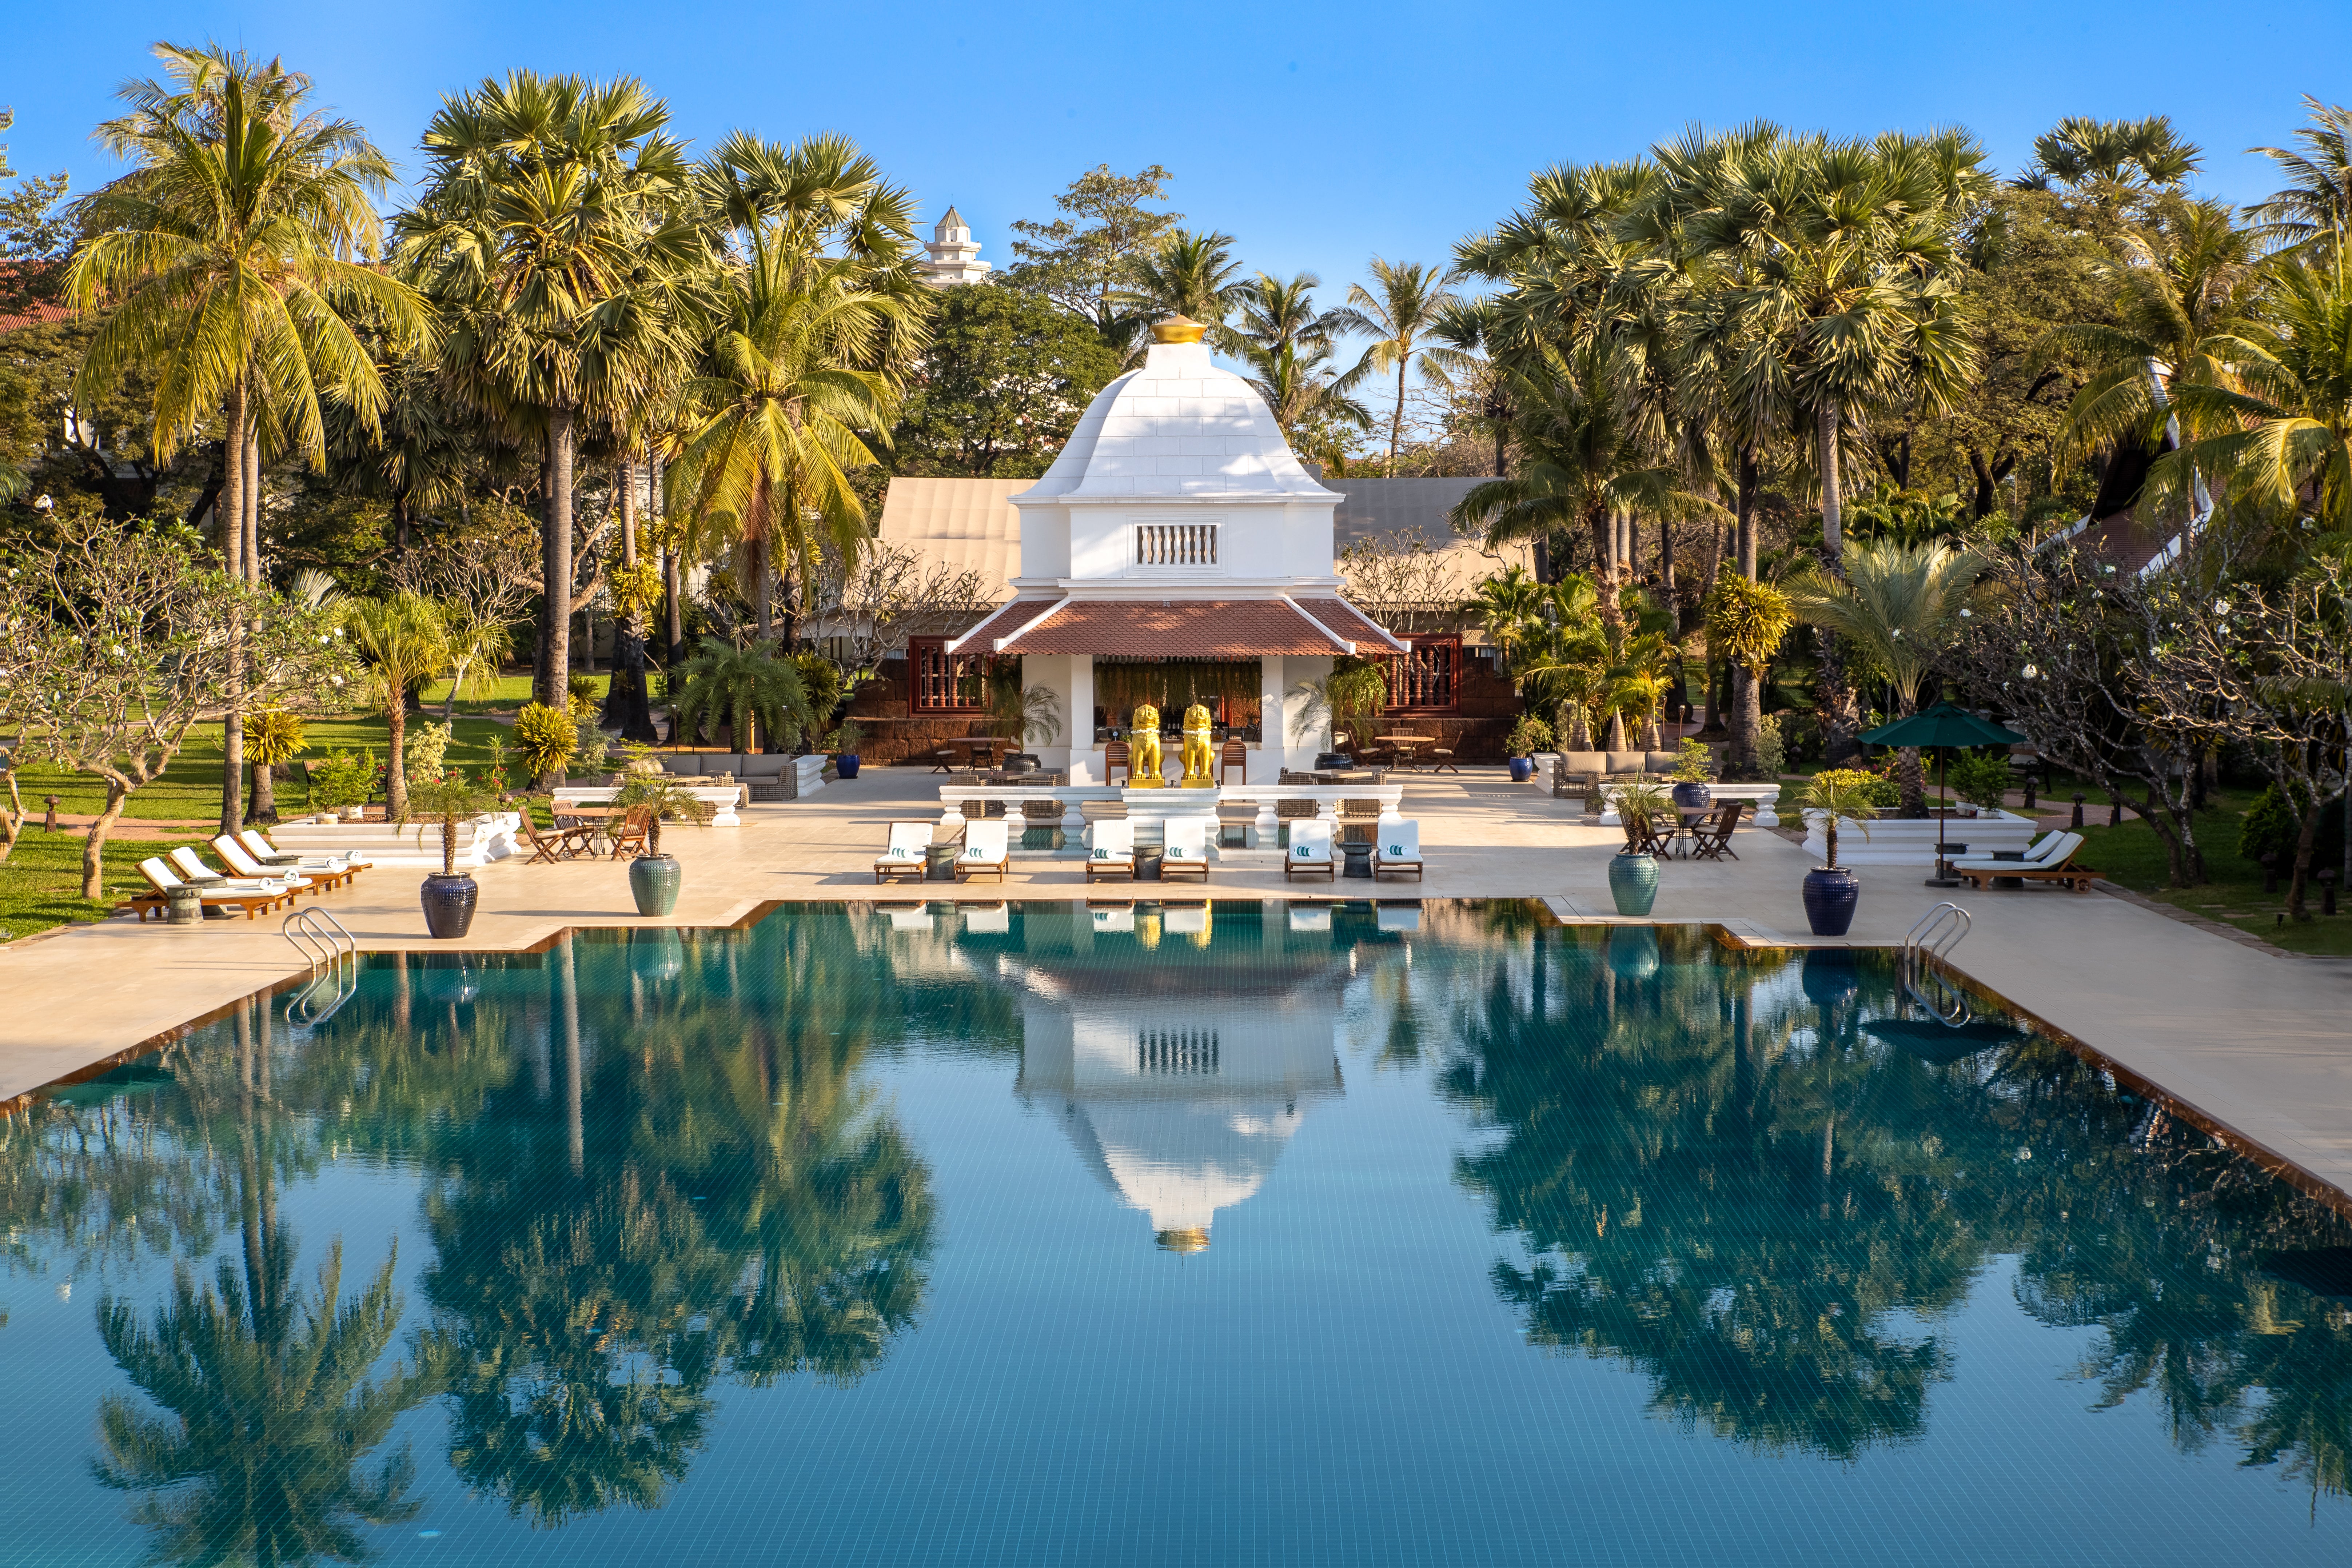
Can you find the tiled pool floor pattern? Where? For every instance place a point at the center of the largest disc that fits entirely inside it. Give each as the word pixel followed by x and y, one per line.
pixel 1155 1235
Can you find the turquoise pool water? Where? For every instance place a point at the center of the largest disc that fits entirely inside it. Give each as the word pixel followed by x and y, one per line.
pixel 1040 1235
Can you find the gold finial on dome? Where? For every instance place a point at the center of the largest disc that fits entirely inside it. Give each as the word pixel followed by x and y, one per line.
pixel 1178 330
pixel 1191 1239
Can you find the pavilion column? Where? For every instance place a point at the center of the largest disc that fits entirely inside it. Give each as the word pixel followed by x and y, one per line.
pixel 1078 718
pixel 1288 748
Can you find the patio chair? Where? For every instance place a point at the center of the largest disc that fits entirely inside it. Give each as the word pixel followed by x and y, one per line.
pixel 2050 850
pixel 255 901
pixel 1186 850
pixel 904 854
pixel 1441 761
pixel 1396 848
pixel 234 857
pixel 984 849
pixel 1711 838
pixel 1113 852
pixel 943 761
pixel 1310 851
pixel 1234 755
pixel 1115 761
pixel 268 854
pixel 1640 839
pixel 631 834
pixel 556 843
pixel 2052 860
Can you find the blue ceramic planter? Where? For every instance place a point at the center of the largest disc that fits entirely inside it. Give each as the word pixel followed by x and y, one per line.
pixel 653 882
pixel 449 905
pixel 1831 895
pixel 1522 769
pixel 1692 795
pixel 1634 882
pixel 845 766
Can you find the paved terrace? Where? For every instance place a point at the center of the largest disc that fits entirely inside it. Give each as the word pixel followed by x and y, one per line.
pixel 2255 1042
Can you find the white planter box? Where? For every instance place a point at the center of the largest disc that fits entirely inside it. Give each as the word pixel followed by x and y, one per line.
pixel 485 839
pixel 1913 843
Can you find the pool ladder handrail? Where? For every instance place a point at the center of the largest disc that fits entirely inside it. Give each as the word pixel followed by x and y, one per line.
pixel 319 944
pixel 1929 942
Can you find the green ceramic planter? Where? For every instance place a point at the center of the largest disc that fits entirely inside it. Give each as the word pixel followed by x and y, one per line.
pixel 653 882
pixel 1634 882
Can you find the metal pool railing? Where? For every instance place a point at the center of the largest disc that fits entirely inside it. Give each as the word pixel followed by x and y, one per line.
pixel 1930 940
pixel 334 955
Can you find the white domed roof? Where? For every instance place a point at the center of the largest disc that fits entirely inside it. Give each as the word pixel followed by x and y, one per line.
pixel 1177 428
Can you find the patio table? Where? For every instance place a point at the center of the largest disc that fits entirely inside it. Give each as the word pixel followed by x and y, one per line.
pixel 1403 746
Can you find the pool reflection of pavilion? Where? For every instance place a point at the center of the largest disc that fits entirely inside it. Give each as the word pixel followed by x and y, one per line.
pixel 1182 1085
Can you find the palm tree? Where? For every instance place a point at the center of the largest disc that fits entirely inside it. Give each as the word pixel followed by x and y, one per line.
pixel 2314 211
pixel 2183 293
pixel 2083 154
pixel 232 252
pixel 557 231
pixel 1402 307
pixel 405 640
pixel 1583 465
pixel 1190 274
pixel 740 687
pixel 1511 607
pixel 1305 397
pixel 1901 604
pixel 2283 430
pixel 1277 314
pixel 776 416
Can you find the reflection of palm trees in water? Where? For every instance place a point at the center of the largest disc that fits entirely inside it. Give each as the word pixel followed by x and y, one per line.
pixel 1766 1209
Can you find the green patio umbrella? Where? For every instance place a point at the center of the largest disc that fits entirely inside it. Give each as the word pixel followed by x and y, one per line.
pixel 1941 727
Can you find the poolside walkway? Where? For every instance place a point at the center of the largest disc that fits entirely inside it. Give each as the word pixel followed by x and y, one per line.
pixel 2258 1044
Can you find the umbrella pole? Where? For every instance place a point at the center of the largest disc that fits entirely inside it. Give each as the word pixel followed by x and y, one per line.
pixel 1942 879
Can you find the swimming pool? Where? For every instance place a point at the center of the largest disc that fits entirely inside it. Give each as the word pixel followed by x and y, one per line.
pixel 1155 1234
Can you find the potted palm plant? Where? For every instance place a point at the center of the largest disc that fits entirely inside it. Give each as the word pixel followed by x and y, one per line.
pixel 1837 795
pixel 1692 761
pixel 654 877
pixel 1633 873
pixel 449 895
pixel 1528 736
pixel 843 745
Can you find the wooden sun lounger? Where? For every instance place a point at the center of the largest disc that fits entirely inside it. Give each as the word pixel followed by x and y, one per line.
pixel 2077 878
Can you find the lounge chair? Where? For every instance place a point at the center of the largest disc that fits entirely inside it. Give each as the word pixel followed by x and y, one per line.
pixel 195 873
pixel 1396 848
pixel 1113 854
pixel 254 900
pixel 271 856
pixel 903 855
pixel 1711 840
pixel 234 857
pixel 1310 851
pixel 984 849
pixel 1186 851
pixel 2052 860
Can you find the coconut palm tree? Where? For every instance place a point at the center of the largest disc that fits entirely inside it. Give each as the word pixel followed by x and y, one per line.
pixel 1301 391
pixel 2314 211
pixel 1901 605
pixel 1401 309
pixel 232 253
pixel 775 415
pixel 2282 429
pixel 558 233
pixel 1192 274
pixel 1277 314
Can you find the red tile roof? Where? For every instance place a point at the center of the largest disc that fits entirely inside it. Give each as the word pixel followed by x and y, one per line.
pixel 1179 629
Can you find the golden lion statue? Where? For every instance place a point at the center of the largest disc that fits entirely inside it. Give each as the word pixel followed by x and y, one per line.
pixel 1143 772
pixel 1197 720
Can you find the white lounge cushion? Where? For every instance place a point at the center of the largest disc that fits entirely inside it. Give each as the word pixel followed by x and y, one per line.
pixel 909 840
pixel 1399 843
pixel 193 871
pixel 985 841
pixel 1188 838
pixel 2052 850
pixel 1311 841
pixel 159 874
pixel 1114 840
pixel 234 857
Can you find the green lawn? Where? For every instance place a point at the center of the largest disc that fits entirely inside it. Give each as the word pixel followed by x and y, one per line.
pixel 511 693
pixel 40 884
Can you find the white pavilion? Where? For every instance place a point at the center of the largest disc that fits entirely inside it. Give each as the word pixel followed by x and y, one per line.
pixel 952 257
pixel 1177 525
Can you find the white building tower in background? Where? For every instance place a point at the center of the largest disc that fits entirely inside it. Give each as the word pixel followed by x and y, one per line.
pixel 954 259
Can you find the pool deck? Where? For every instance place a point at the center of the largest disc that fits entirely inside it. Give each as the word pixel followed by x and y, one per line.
pixel 2255 1043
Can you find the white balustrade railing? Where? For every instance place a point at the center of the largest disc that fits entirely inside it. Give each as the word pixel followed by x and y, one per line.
pixel 722 798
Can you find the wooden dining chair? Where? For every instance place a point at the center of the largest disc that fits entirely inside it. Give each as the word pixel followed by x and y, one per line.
pixel 630 836
pixel 1115 761
pixel 1235 755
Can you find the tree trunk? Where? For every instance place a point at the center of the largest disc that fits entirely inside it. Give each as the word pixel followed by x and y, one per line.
pixel 1750 481
pixel 1826 420
pixel 400 521
pixel 555 564
pixel 2298 909
pixel 755 568
pixel 674 609
pixel 252 509
pixel 93 847
pixel 1604 554
pixel 1834 700
pixel 396 773
pixel 1911 777
pixel 231 513
pixel 265 794
pixel 1396 420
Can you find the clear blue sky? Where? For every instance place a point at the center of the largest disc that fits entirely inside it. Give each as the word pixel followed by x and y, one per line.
pixel 1318 134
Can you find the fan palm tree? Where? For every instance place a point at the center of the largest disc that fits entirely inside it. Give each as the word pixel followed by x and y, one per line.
pixel 405 640
pixel 1401 309
pixel 232 253
pixel 2283 430
pixel 1510 606
pixel 2183 293
pixel 741 687
pixel 2314 211
pixel 2086 154
pixel 1901 605
pixel 557 231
